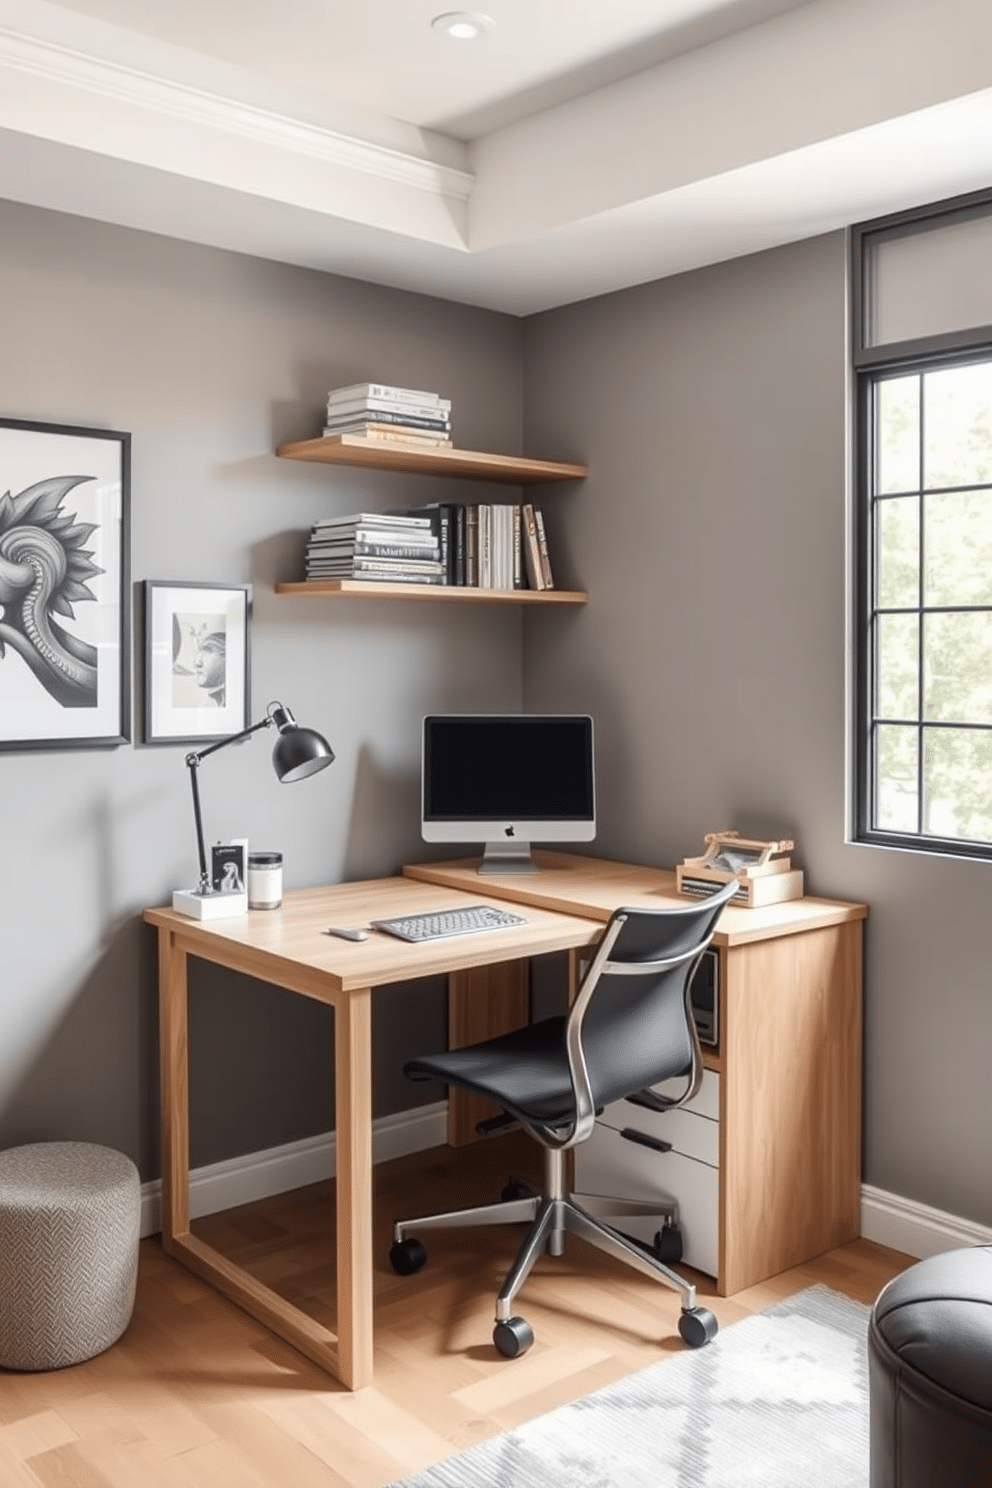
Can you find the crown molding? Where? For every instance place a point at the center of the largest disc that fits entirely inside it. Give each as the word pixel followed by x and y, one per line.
pixel 101 78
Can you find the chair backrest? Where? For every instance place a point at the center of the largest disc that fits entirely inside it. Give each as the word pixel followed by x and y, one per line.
pixel 631 1025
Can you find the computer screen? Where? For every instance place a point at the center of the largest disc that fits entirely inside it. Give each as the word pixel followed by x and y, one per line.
pixel 507 780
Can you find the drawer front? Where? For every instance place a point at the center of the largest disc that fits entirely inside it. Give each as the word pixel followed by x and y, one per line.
pixel 687 1130
pixel 705 1102
pixel 609 1164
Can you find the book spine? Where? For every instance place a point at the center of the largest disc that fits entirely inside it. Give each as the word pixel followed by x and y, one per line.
pixel 531 547
pixel 398 565
pixel 393 435
pixel 421 537
pixel 358 520
pixel 328 551
pixel 542 542
pixel 380 578
pixel 472 547
pixel 518 552
pixel 360 391
pixel 485 545
pixel 352 422
pixel 444 540
pixel 458 546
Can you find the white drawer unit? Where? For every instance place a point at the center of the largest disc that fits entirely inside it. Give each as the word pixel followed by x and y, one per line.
pixel 635 1153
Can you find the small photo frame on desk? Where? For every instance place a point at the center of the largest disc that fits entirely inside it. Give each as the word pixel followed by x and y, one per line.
pixel 197 673
pixel 228 868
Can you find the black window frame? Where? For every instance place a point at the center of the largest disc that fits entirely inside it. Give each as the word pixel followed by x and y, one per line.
pixel 871 365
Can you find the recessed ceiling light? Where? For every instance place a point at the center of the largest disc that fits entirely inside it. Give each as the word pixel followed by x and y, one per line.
pixel 463 25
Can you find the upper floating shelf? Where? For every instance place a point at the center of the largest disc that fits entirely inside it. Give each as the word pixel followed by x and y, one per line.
pixel 353 449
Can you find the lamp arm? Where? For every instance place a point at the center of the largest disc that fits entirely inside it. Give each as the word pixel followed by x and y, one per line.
pixel 196 756
pixel 193 764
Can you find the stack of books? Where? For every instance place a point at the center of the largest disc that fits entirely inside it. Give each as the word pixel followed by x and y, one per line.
pixel 375 546
pixel 377 411
pixel 488 546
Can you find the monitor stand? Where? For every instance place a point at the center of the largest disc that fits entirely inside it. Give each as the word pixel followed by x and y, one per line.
pixel 507 857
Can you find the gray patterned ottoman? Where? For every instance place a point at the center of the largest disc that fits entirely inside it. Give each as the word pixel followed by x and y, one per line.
pixel 69 1224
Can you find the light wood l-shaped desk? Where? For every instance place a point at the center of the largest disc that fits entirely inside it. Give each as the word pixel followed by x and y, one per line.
pixel 789 1056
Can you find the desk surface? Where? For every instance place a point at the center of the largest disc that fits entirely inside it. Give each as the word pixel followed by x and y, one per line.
pixel 287 946
pixel 571 883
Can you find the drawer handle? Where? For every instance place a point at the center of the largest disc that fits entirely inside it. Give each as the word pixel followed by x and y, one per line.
pixel 631 1134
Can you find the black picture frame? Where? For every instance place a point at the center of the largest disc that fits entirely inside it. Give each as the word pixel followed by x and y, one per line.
pixel 197 661
pixel 65 662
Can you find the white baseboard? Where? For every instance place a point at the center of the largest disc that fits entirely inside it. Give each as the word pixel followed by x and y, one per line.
pixel 241 1180
pixel 901 1224
pixel 915 1229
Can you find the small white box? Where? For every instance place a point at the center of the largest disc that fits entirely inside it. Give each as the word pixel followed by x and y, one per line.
pixel 213 906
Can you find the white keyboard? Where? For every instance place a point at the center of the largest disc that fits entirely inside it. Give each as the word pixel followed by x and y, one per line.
pixel 449 922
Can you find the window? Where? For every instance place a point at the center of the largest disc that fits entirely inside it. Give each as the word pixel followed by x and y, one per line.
pixel 924 530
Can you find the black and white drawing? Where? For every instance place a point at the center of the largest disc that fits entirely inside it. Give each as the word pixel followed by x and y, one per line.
pixel 63 580
pixel 196 661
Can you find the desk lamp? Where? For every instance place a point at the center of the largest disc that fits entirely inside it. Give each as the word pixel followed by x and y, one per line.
pixel 297 752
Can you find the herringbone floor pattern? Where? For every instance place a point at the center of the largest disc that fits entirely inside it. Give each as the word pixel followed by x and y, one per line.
pixel 198 1395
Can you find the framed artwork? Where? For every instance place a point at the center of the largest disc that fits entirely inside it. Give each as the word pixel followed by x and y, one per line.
pixel 64 629
pixel 196 661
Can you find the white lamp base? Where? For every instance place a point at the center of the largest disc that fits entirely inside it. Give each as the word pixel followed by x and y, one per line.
pixel 214 906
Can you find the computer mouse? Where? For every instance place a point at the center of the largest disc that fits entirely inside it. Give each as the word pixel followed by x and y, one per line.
pixel 345 932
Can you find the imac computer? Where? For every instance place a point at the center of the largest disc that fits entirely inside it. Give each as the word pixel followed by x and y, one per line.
pixel 508 780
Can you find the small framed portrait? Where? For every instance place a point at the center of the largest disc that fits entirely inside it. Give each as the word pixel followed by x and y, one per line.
pixel 197 669
pixel 228 870
pixel 64 637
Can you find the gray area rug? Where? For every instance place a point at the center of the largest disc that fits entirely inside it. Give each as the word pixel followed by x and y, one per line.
pixel 779 1400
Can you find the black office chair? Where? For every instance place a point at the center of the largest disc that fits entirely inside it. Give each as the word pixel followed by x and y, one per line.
pixel 630 1027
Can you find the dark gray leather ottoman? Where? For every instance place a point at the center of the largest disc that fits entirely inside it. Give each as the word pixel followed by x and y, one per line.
pixel 930 1375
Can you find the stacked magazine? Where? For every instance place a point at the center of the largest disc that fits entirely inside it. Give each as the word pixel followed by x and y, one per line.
pixel 377 411
pixel 375 546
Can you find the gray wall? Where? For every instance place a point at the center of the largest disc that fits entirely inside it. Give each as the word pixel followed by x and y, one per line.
pixel 210 360
pixel 710 534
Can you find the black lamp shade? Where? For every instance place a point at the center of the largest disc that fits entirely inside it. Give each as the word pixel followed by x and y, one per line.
pixel 299 752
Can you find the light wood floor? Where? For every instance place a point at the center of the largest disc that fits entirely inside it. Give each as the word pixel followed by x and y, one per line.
pixel 198 1395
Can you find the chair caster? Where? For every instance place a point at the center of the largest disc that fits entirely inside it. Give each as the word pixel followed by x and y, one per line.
pixel 407 1256
pixel 516 1189
pixel 513 1338
pixel 697 1326
pixel 668 1244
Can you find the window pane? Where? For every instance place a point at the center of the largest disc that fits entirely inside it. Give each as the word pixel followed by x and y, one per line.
pixel 898 548
pixel 957 668
pixel 957 418
pixel 896 757
pixel 897 688
pixel 897 436
pixel 957 541
pixel 957 784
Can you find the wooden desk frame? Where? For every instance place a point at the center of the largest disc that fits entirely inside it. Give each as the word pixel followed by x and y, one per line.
pixel 348 1353
pixel 285 948
pixel 789 1055
pixel 804 1204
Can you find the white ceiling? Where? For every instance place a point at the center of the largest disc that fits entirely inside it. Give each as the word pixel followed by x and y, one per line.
pixel 581 146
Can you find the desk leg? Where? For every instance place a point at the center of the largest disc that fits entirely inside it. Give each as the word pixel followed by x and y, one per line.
pixel 482 1002
pixel 353 1109
pixel 174 1088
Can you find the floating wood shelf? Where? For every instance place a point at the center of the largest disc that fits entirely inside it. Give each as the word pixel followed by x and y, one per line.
pixel 452 593
pixel 353 449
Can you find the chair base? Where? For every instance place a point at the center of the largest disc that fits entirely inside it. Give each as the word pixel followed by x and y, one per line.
pixel 550 1217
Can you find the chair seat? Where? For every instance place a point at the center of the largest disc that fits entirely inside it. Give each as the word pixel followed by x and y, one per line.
pixel 524 1071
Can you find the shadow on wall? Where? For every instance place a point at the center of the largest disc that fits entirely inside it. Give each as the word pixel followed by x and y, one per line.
pixel 94 1079
pixel 385 808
